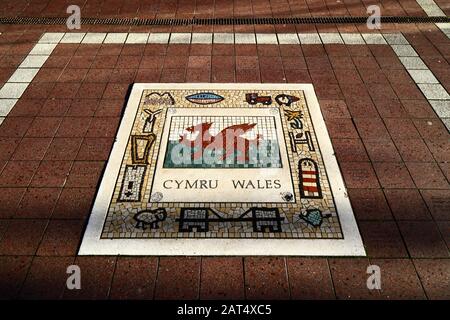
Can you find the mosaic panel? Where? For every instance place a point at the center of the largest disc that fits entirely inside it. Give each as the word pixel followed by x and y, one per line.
pixel 221 164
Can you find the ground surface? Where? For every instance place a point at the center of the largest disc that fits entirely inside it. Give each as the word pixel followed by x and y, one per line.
pixel 393 151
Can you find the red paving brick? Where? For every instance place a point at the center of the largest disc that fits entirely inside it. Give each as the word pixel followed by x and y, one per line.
pixel 61 238
pixel 438 203
pixel 222 278
pixel 22 237
pixel 434 275
pixel 94 285
pixel 399 279
pixel 46 278
pixel 407 204
pixel 391 148
pixel 178 278
pixel 382 239
pixel 350 277
pixel 12 275
pixel 423 239
pixel 309 278
pixel 134 278
pixel 266 278
pixel 37 203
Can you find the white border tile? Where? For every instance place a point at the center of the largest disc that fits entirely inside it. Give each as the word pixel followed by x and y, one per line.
pixel 288 38
pixel 309 38
pixel 404 50
pixel 12 90
pixel 414 63
pixel 161 38
pixel 115 38
pixel 433 91
pixel 94 37
pixel 51 37
pixel 431 8
pixel 74 37
pixel 352 38
pixel 23 75
pixel 395 38
pixel 202 38
pixel 423 76
pixel 373 38
pixel 33 61
pixel 266 38
pixel 137 38
pixel 224 38
pixel 441 107
pixel 42 49
pixel 244 38
pixel 331 38
pixel 6 105
pixel 180 38
pixel 350 245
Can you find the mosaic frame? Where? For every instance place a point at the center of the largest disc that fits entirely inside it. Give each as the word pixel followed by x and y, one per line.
pixel 349 245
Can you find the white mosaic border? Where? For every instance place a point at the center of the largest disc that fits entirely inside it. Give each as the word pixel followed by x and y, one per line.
pixel 433 91
pixel 351 245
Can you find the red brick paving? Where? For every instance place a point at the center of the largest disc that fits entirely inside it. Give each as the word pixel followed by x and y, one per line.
pixel 392 150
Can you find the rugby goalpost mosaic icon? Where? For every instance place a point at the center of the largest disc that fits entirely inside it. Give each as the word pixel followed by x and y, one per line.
pixel 222 169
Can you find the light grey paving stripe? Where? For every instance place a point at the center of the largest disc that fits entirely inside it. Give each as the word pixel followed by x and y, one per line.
pixel 266 38
pixel 75 37
pixel 352 38
pixel 244 38
pixel 6 105
pixel 201 38
pixel 137 38
pixel 180 38
pixel 18 82
pixel 445 28
pixel 117 38
pixel 161 38
pixel 288 38
pixel 431 8
pixel 330 38
pixel 94 37
pixel 224 38
pixel 435 93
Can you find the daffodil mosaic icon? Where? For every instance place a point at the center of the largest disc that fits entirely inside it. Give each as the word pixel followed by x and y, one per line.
pixel 229 169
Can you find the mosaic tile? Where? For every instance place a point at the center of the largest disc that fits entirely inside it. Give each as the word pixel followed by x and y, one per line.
pixel 229 164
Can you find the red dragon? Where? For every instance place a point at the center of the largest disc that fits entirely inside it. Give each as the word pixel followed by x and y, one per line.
pixel 229 139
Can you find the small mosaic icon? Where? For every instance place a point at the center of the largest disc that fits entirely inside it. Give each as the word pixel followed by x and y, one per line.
pixel 255 98
pixel 286 99
pixel 157 98
pixel 309 179
pixel 314 217
pixel 204 98
pixel 150 218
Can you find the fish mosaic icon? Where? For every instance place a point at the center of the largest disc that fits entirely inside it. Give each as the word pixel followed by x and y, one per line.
pixel 229 169
pixel 204 98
